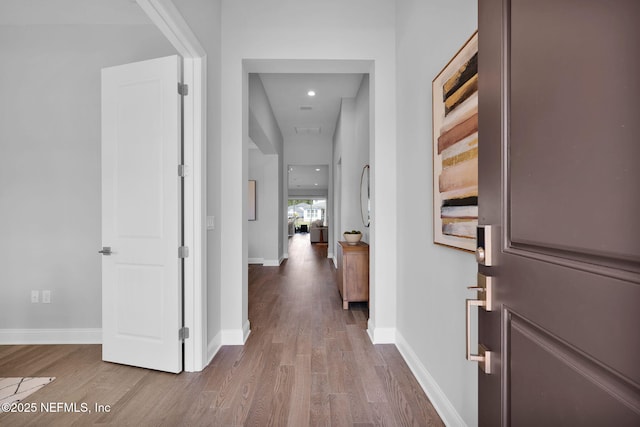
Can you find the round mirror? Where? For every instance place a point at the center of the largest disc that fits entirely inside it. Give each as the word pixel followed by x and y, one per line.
pixel 365 196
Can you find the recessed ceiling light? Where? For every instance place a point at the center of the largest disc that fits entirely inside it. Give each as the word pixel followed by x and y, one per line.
pixel 317 169
pixel 311 93
pixel 315 183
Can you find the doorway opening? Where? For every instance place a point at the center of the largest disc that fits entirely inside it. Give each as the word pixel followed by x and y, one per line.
pixel 304 141
pixel 308 217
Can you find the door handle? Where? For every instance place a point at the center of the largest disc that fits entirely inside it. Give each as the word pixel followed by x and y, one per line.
pixel 485 300
pixel 106 250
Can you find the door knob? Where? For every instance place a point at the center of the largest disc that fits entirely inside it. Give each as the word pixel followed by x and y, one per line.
pixel 106 250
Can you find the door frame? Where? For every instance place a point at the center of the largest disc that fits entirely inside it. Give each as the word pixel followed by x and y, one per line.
pixel 166 17
pixel 377 305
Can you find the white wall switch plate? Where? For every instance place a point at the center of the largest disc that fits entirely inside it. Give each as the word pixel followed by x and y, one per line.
pixel 46 297
pixel 211 222
pixel 35 297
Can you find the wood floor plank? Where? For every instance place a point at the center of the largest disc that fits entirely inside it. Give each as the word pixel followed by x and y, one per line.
pixel 410 386
pixel 320 410
pixel 301 392
pixel 355 388
pixel 258 414
pixel 306 362
pixel 340 410
pixel 279 413
pixel 319 360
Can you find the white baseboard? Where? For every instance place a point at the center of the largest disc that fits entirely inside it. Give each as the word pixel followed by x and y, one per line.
pixel 231 337
pixel 246 331
pixel 381 335
pixel 438 398
pixel 236 336
pixel 50 336
pixel 330 255
pixel 213 347
pixel 265 262
pixel 335 262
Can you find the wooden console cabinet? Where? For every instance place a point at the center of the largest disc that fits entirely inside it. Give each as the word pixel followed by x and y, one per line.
pixel 353 272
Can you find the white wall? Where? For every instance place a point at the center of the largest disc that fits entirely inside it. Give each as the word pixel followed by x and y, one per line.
pixel 263 233
pixel 362 142
pixel 351 144
pixel 263 127
pixel 294 29
pixel 344 165
pixel 204 19
pixel 254 228
pixel 432 279
pixel 50 214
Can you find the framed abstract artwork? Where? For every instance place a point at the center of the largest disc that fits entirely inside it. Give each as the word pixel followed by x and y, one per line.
pixel 455 149
pixel 251 202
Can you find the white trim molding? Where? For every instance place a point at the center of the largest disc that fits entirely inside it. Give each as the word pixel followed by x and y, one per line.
pixel 438 398
pixel 214 347
pixel 246 331
pixel 167 18
pixel 380 335
pixel 50 336
pixel 265 262
pixel 236 336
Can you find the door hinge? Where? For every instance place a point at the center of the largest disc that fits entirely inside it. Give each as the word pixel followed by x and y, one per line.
pixel 183 333
pixel 183 89
pixel 183 252
pixel 183 170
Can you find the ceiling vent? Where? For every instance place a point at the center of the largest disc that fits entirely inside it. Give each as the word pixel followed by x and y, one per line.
pixel 306 107
pixel 307 131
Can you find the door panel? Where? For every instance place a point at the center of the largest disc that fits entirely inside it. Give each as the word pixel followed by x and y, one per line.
pixel 559 176
pixel 552 73
pixel 543 368
pixel 141 217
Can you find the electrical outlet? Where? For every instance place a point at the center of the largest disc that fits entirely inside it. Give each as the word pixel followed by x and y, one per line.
pixel 35 297
pixel 211 222
pixel 46 297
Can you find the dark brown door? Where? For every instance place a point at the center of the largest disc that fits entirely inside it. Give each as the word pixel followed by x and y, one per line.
pixel 559 165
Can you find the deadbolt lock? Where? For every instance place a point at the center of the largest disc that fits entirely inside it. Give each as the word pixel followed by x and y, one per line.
pixel 488 244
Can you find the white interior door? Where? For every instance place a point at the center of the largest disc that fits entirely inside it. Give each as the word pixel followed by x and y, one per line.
pixel 141 214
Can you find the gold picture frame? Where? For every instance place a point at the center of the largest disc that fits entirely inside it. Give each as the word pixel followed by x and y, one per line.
pixel 455 149
pixel 251 202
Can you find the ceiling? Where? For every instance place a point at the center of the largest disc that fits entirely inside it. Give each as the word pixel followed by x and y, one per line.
pixel 301 116
pixel 308 177
pixel 293 108
pixel 71 12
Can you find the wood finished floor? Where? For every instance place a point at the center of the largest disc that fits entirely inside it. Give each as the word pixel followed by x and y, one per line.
pixel 307 362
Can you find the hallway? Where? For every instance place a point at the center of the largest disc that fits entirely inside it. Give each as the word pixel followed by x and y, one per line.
pixel 306 362
pixel 317 365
